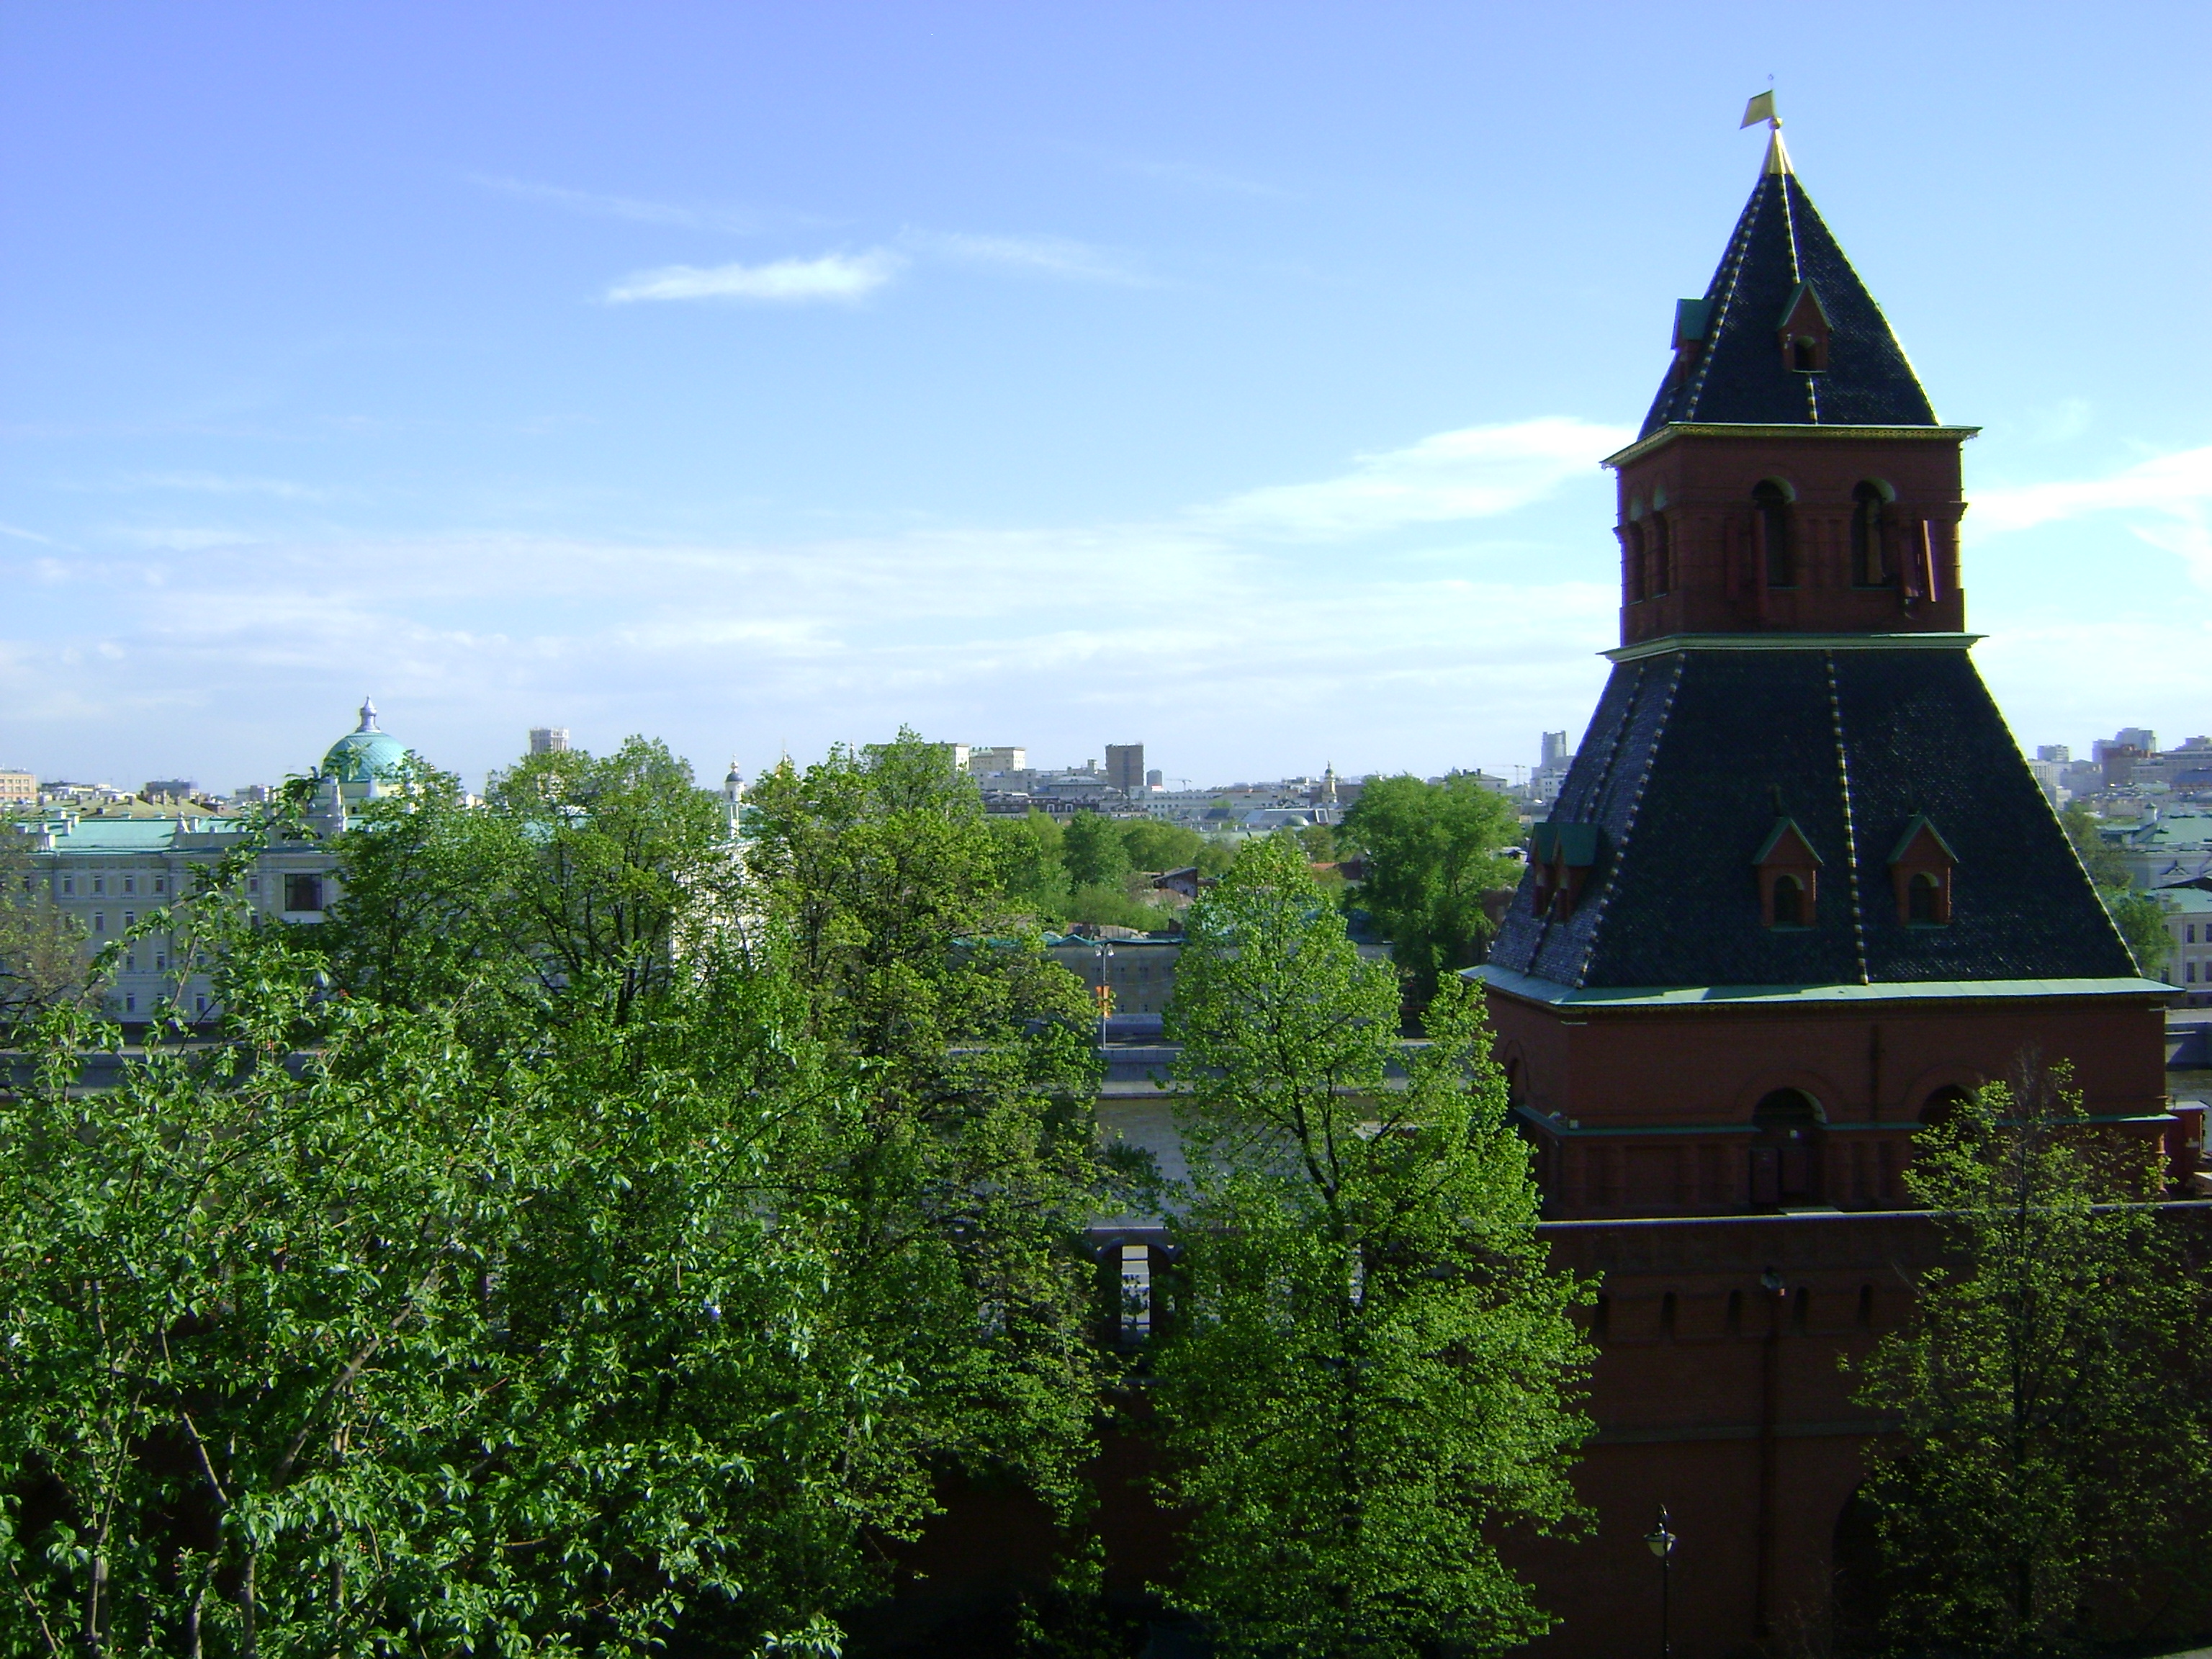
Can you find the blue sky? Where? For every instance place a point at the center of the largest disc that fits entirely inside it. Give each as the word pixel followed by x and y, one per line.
pixel 1230 378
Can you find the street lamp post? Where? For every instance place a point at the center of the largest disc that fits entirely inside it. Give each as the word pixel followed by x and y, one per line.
pixel 1660 1540
pixel 1105 955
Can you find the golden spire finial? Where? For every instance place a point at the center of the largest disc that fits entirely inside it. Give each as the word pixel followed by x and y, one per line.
pixel 1761 108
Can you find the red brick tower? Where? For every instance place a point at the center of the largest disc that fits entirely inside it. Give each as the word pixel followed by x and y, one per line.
pixel 1797 891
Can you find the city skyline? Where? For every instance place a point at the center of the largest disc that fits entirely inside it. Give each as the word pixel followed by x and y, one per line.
pixel 757 381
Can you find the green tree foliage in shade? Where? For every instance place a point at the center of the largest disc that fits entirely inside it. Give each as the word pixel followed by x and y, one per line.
pixel 2139 916
pixel 1097 854
pixel 1370 1370
pixel 2054 1392
pixel 1432 851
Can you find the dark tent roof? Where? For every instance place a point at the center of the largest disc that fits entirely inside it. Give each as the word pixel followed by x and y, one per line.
pixel 1780 246
pixel 1691 755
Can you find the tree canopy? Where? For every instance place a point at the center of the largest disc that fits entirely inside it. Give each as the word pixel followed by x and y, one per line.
pixel 582 1240
pixel 1433 850
pixel 2055 1416
pixel 1369 1368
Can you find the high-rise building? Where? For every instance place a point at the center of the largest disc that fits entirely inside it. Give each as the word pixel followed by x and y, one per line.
pixel 1000 757
pixel 1124 767
pixel 1555 751
pixel 169 789
pixel 548 739
pixel 2054 751
pixel 19 788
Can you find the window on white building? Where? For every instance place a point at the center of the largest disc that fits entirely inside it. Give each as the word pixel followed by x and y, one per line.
pixel 253 884
pixel 161 884
pixel 130 1002
pixel 130 920
pixel 69 886
pixel 99 921
pixel 99 885
pixel 130 884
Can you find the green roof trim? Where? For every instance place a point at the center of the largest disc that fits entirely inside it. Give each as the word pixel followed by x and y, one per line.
pixel 1784 826
pixel 1777 641
pixel 1674 429
pixel 1911 833
pixel 1797 297
pixel 1532 989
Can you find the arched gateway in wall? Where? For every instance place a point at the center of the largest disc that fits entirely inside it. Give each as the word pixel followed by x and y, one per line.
pixel 1797 886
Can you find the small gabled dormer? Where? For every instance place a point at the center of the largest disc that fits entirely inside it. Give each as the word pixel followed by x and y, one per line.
pixel 1920 866
pixel 1789 873
pixel 1561 856
pixel 1804 332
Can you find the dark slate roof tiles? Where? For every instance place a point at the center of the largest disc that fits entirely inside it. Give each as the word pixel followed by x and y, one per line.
pixel 1780 242
pixel 1682 769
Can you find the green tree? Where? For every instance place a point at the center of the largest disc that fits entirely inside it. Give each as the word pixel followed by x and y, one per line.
pixel 1096 855
pixel 2139 916
pixel 1153 845
pixel 978 1166
pixel 563 897
pixel 42 962
pixel 1033 860
pixel 376 1343
pixel 1370 1370
pixel 2052 1391
pixel 1319 840
pixel 1432 851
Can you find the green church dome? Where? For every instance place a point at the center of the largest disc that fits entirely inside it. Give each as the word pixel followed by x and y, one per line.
pixel 365 755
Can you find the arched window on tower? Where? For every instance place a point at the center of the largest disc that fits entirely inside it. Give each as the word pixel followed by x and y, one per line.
pixel 1632 563
pixel 1662 556
pixel 1869 555
pixel 1771 501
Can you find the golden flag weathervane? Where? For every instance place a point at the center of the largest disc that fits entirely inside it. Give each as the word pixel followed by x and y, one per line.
pixel 1761 108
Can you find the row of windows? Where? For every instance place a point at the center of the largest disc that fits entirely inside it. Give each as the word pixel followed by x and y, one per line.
pixel 301 893
pixel 1924 901
pixel 1648 541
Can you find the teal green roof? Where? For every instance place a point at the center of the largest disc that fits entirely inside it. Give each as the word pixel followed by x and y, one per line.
pixel 366 754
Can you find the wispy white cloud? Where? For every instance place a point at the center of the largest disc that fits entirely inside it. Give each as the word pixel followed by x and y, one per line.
pixel 1203 625
pixel 1477 472
pixel 214 483
pixel 837 277
pixel 2166 500
pixel 735 221
pixel 1048 255
pixel 21 534
pixel 1192 176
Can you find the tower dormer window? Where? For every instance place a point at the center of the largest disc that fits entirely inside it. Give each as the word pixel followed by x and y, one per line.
pixel 1804 329
pixel 1789 873
pixel 1662 556
pixel 1771 501
pixel 1632 563
pixel 1920 869
pixel 1871 564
